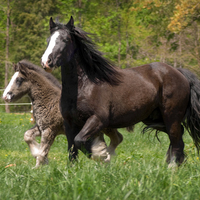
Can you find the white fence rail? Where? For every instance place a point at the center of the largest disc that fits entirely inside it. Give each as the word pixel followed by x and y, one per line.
pixel 11 104
pixel 15 104
pixel 19 104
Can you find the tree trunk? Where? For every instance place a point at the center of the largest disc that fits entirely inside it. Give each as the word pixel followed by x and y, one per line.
pixel 79 13
pixel 196 42
pixel 119 33
pixel 127 50
pixel 180 50
pixel 7 51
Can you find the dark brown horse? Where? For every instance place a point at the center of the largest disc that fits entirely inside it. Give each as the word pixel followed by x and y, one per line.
pixel 44 91
pixel 97 95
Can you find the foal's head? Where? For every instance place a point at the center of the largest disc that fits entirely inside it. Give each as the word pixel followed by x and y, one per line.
pixel 19 85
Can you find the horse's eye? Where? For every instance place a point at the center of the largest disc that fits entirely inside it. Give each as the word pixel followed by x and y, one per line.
pixel 19 81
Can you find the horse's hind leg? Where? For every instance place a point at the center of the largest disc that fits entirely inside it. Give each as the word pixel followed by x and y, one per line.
pixel 175 153
pixel 47 139
pixel 115 139
pixel 29 137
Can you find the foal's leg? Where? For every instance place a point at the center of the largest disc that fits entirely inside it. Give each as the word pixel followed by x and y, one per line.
pixel 29 137
pixel 115 139
pixel 47 139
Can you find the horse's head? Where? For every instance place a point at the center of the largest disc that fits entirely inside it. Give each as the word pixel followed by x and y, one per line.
pixel 60 45
pixel 18 85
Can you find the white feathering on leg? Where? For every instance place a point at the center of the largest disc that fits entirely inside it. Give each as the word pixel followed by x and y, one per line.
pixel 99 150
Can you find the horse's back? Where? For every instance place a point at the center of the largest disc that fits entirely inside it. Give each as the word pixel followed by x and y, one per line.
pixel 174 88
pixel 146 88
pixel 170 83
pixel 162 76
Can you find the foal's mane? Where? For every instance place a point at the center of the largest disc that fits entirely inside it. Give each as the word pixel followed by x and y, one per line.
pixel 95 66
pixel 41 71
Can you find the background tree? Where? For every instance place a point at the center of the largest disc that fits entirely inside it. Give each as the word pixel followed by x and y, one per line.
pixel 185 22
pixel 3 17
pixel 131 33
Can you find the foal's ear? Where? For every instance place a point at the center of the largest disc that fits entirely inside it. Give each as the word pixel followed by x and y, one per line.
pixel 22 68
pixel 70 24
pixel 51 24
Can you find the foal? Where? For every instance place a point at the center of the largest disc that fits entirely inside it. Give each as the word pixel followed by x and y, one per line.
pixel 44 91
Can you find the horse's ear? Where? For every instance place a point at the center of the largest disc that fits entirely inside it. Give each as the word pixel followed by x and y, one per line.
pixel 70 24
pixel 51 24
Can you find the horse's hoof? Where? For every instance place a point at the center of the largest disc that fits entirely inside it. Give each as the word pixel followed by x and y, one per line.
pixel 173 165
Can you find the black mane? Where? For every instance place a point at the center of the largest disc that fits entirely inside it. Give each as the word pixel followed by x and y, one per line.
pixel 41 71
pixel 95 66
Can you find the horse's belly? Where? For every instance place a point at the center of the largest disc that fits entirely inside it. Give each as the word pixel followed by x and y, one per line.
pixel 130 116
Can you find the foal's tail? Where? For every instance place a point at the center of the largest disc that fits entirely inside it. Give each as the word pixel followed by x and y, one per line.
pixel 192 122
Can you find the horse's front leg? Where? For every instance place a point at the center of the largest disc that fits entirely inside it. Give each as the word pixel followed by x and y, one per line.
pixel 91 141
pixel 99 150
pixel 29 138
pixel 70 134
pixel 47 139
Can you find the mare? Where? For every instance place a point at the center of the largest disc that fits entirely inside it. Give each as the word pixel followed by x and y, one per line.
pixel 44 91
pixel 97 95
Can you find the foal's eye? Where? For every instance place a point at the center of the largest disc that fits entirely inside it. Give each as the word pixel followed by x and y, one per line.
pixel 19 81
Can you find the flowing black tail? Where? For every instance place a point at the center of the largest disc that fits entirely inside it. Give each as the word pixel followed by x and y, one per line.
pixel 192 123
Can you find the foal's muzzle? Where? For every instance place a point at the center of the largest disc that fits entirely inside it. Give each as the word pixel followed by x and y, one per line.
pixel 8 97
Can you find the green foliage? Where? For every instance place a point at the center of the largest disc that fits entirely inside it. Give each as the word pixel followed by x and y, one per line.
pixel 30 21
pixel 130 33
pixel 3 10
pixel 138 171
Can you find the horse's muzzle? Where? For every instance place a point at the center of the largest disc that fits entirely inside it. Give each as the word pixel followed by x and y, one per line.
pixel 46 67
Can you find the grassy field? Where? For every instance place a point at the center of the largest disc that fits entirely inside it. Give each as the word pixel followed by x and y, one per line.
pixel 138 171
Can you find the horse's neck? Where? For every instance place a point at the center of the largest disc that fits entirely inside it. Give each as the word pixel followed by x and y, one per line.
pixel 71 78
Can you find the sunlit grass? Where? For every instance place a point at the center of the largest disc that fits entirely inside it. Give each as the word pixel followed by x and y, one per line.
pixel 138 171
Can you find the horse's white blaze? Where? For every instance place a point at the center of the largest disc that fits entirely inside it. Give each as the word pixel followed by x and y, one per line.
pixel 8 88
pixel 99 150
pixel 50 47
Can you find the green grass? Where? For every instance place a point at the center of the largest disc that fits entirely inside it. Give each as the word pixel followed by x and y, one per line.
pixel 138 171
